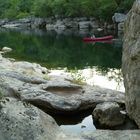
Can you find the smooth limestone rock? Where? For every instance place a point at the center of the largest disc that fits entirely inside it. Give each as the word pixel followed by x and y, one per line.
pixel 21 121
pixel 108 114
pixel 55 94
pixel 131 62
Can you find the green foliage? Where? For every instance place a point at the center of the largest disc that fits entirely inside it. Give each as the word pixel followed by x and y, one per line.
pixel 15 8
pixel 102 9
pixel 77 77
pixel 42 8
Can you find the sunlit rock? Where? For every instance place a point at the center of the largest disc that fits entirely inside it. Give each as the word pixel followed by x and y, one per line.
pixel 6 49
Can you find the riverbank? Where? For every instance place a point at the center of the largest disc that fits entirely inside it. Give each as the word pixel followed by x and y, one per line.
pixel 54 23
pixel 25 86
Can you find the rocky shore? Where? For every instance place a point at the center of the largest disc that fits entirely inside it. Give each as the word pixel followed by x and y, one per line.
pixel 55 23
pixel 27 88
pixel 28 92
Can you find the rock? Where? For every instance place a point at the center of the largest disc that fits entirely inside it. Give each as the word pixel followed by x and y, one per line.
pixel 70 23
pixel 31 68
pixel 38 23
pixel 3 21
pixel 20 121
pixel 99 29
pixel 6 49
pixel 50 26
pixel 20 23
pixel 102 135
pixel 57 95
pixel 93 24
pixel 60 25
pixel 51 23
pixel 121 26
pixel 27 82
pixel 119 17
pixel 131 62
pixel 108 114
pixel 84 25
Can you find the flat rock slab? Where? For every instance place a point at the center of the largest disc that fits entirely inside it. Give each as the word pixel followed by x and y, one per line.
pixel 27 82
pixel 103 135
pixel 59 96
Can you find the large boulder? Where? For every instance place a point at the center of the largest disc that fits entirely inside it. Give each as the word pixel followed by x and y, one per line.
pixel 108 114
pixel 131 62
pixel 21 121
pixel 56 94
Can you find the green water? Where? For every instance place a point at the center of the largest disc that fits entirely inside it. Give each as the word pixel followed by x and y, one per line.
pixel 60 50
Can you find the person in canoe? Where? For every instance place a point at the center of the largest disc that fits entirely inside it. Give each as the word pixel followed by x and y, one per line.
pixel 93 36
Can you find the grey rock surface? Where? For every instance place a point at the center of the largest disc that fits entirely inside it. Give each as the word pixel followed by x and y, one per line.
pixel 119 17
pixel 121 26
pixel 131 62
pixel 103 135
pixel 84 24
pixel 21 121
pixel 26 82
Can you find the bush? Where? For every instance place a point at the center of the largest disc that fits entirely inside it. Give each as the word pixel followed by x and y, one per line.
pixel 125 5
pixel 42 8
pixel 102 9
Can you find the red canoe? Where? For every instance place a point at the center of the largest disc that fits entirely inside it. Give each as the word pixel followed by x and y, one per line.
pixel 105 38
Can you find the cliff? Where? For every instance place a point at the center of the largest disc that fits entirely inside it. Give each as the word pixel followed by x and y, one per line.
pixel 131 62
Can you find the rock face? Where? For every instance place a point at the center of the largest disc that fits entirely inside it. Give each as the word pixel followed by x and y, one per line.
pixel 103 135
pixel 119 19
pixel 108 114
pixel 131 62
pixel 51 23
pixel 21 121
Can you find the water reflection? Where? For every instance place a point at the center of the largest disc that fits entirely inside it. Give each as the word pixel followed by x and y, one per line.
pixel 107 78
pixel 85 125
pixel 111 79
pixel 54 50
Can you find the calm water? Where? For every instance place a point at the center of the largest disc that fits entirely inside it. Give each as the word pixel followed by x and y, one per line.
pixel 98 63
pixel 66 49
